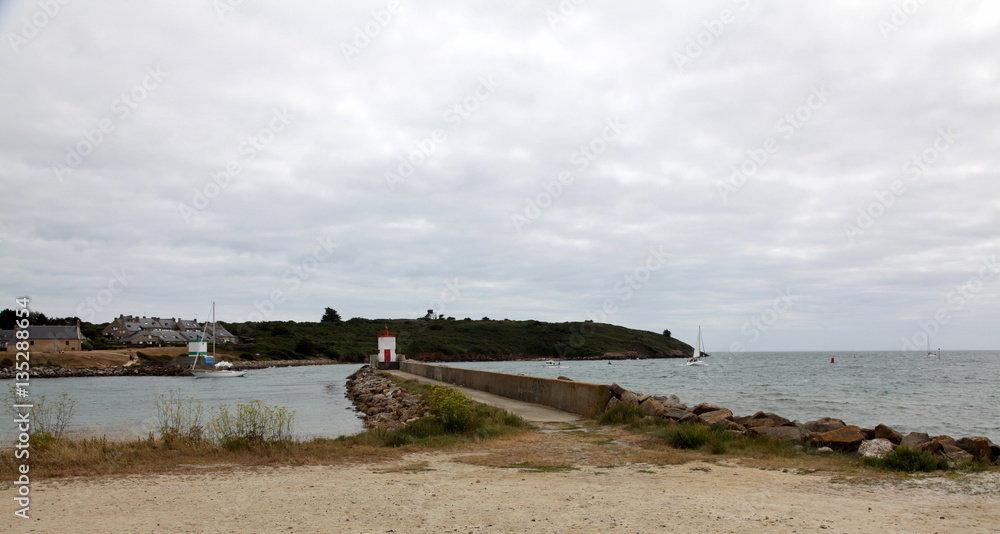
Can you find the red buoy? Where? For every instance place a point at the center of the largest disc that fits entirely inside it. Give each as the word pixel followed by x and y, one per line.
pixel 831 360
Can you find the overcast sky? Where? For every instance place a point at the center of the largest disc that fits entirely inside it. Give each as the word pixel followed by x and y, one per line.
pixel 789 176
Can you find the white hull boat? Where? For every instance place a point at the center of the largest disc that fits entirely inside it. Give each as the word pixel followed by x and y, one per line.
pixel 696 358
pixel 199 349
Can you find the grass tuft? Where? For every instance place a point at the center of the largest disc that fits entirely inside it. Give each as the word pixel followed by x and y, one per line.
pixel 623 414
pixel 907 460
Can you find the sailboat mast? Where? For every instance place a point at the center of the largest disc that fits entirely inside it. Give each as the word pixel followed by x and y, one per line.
pixel 697 344
pixel 213 330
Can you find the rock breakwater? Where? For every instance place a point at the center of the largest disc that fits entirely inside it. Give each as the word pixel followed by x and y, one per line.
pixel 824 434
pixel 119 370
pixel 381 403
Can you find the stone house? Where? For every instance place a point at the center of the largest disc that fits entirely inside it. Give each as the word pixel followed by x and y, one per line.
pixel 154 330
pixel 48 338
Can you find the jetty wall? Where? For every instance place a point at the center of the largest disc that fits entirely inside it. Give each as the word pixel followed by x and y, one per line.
pixel 581 398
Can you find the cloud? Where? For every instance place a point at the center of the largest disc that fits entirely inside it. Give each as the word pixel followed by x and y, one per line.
pixel 376 157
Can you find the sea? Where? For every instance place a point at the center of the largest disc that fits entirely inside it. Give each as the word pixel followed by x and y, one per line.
pixel 957 394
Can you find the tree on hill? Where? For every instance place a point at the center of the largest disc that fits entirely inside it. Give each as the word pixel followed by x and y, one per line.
pixel 330 316
pixel 666 332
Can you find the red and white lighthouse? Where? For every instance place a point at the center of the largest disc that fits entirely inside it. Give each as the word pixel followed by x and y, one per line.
pixel 387 346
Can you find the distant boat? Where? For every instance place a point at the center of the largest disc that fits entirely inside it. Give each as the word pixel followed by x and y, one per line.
pixel 199 348
pixel 552 363
pixel 931 354
pixel 698 357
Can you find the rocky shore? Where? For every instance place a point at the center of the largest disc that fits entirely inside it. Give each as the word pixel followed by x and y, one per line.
pixel 43 371
pixel 826 434
pixel 381 403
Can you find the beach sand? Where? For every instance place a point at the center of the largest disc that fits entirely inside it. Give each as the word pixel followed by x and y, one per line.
pixel 594 484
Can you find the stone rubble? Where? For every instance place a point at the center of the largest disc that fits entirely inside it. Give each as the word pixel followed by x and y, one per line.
pixel 824 434
pixel 381 403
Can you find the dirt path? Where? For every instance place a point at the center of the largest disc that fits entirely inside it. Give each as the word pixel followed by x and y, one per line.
pixel 563 479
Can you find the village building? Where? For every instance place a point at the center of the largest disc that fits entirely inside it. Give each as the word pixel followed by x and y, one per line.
pixel 154 331
pixel 46 338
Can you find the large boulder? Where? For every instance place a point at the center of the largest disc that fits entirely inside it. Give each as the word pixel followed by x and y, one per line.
pixel 705 408
pixel 793 434
pixel 979 447
pixel 681 416
pixel 671 401
pixel 885 432
pixel 914 440
pixel 715 416
pixel 614 401
pixel 732 425
pixel 945 440
pixel 824 424
pixel 630 398
pixel 956 454
pixel 650 406
pixel 931 446
pixel 876 448
pixel 764 419
pixel 848 438
pixel 617 390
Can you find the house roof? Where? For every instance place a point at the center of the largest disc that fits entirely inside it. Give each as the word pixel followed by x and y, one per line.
pixel 54 332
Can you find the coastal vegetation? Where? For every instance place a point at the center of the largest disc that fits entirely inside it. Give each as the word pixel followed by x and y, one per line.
pixel 452 340
pixel 429 338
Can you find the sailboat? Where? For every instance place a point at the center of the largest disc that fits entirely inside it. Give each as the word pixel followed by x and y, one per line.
pixel 199 348
pixel 931 354
pixel 697 358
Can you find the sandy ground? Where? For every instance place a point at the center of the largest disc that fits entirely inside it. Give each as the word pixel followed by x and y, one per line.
pixel 484 490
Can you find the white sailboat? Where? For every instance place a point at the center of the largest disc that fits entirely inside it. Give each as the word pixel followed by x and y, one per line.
pixel 931 354
pixel 199 348
pixel 697 358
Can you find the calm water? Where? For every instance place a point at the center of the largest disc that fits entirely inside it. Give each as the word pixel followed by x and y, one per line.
pixel 123 406
pixel 957 395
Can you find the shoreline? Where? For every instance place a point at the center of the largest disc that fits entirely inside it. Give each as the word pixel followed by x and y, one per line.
pixel 564 479
pixel 44 371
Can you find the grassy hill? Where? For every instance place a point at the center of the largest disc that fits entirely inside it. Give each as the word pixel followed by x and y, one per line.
pixel 452 340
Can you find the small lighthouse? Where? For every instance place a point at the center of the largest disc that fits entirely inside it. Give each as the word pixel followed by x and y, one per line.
pixel 386 356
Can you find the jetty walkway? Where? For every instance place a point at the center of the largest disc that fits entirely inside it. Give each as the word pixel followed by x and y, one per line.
pixel 533 413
